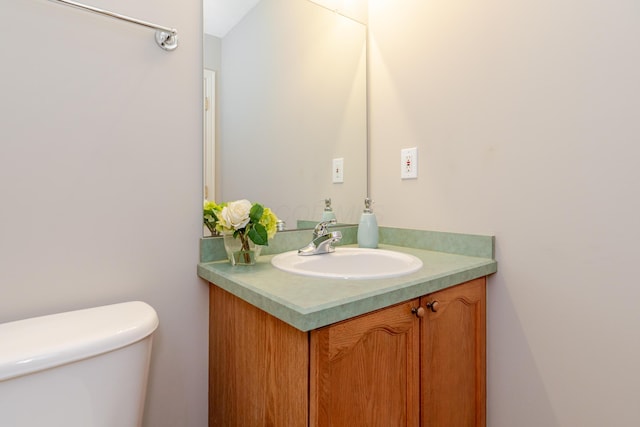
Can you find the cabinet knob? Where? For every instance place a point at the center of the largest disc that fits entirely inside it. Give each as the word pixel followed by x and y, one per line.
pixel 433 306
pixel 418 311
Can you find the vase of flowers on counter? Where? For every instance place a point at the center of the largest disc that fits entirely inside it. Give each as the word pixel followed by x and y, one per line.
pixel 246 228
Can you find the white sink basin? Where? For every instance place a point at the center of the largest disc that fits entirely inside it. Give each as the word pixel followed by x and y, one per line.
pixel 349 263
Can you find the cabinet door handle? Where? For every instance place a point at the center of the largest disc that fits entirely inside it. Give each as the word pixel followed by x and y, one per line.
pixel 433 306
pixel 418 311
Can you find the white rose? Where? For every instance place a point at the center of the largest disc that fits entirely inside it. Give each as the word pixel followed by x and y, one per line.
pixel 236 214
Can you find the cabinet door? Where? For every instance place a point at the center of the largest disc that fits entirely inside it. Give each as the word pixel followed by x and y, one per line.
pixel 365 371
pixel 453 362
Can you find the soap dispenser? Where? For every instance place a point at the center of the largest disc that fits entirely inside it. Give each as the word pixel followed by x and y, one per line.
pixel 328 213
pixel 368 227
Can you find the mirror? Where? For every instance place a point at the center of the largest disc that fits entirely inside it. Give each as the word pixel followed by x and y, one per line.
pixel 290 97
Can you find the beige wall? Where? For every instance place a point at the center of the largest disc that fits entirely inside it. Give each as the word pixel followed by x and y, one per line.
pixel 525 115
pixel 100 180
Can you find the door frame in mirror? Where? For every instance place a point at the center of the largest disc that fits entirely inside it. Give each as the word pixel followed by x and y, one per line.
pixel 209 134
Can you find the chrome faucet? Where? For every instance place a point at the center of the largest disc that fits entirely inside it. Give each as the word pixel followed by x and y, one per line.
pixel 323 240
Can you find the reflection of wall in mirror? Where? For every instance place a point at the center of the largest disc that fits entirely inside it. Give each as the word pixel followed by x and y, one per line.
pixel 292 97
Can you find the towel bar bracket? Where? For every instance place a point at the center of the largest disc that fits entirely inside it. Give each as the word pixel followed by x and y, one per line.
pixel 166 40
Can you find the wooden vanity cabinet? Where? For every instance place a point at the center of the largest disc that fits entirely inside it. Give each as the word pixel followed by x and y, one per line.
pixel 418 363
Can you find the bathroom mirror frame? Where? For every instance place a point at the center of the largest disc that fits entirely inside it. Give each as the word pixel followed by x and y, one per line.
pixel 309 204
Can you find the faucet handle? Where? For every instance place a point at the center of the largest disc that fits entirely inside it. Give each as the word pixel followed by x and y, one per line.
pixel 321 228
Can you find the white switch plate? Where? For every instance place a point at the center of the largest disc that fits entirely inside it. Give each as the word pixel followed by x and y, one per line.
pixel 409 163
pixel 338 170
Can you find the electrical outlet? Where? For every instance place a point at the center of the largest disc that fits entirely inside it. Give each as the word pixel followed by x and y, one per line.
pixel 338 170
pixel 409 163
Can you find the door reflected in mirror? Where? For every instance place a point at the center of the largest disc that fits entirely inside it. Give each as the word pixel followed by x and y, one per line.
pixel 290 97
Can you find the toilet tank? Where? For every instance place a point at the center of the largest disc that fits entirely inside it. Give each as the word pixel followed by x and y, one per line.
pixel 85 368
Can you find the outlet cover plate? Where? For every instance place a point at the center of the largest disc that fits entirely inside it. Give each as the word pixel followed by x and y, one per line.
pixel 409 163
pixel 338 170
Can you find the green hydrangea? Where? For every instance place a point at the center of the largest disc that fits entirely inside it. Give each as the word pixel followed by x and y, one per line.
pixel 269 221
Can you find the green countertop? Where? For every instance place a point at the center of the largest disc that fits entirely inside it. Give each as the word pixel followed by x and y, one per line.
pixel 308 302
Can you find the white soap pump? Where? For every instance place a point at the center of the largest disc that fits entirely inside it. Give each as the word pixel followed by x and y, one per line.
pixel 328 214
pixel 368 227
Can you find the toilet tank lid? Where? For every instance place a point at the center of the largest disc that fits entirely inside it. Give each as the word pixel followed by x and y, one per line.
pixel 39 343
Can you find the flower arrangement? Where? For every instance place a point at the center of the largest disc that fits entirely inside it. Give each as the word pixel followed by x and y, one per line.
pixel 241 219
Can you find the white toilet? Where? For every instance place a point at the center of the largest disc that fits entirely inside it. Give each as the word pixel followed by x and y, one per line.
pixel 85 368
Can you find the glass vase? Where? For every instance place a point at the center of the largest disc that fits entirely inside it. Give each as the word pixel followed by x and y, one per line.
pixel 239 256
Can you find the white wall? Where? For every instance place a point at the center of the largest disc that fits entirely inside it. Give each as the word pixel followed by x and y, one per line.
pixel 100 179
pixel 212 52
pixel 525 115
